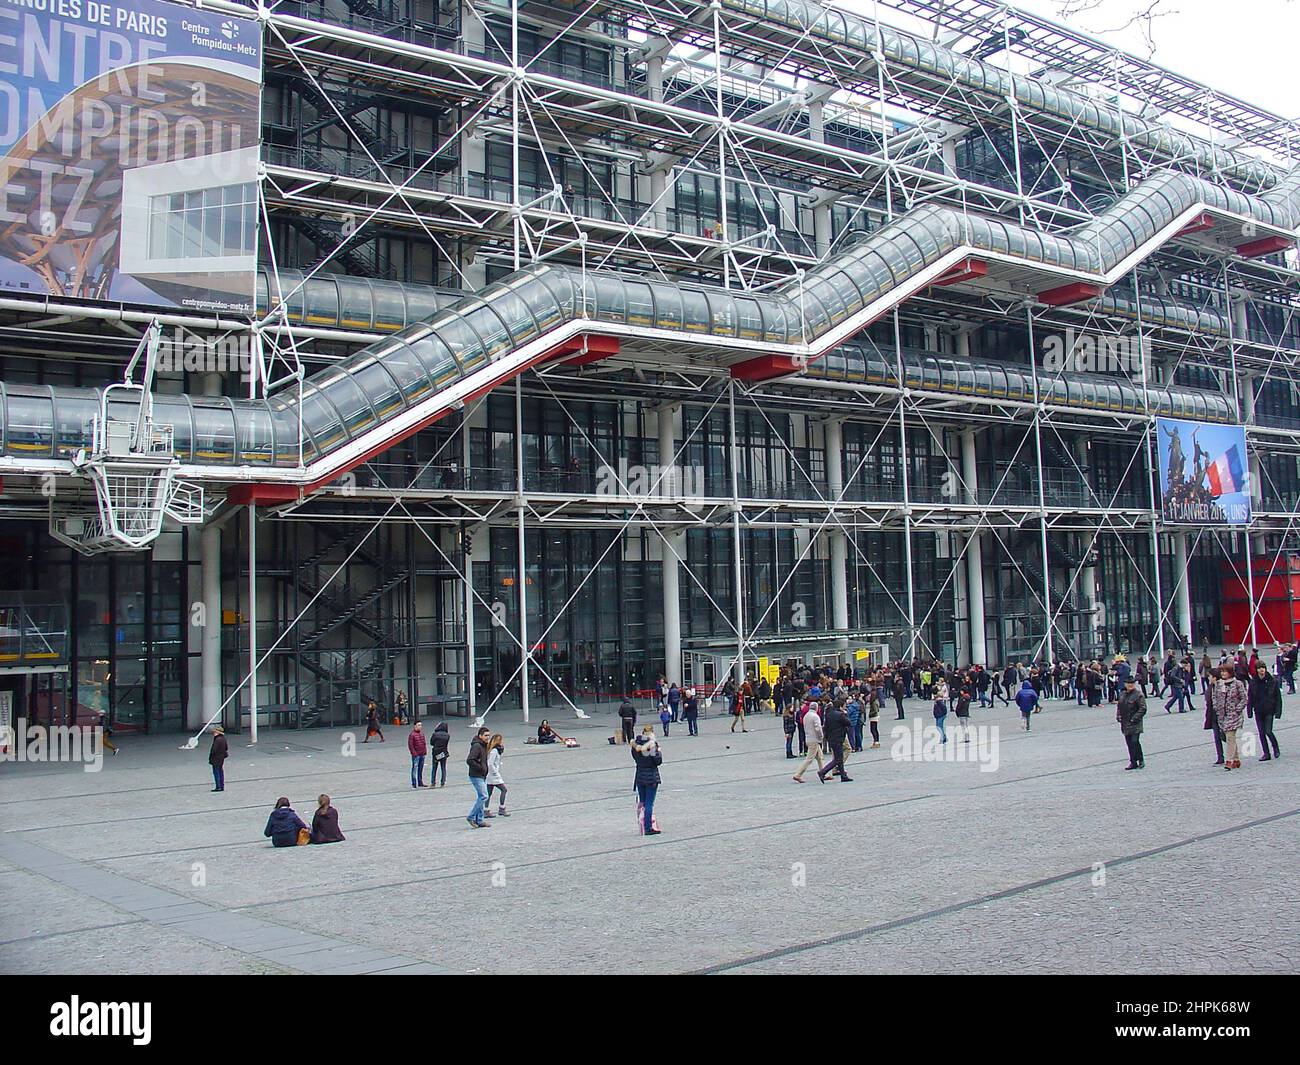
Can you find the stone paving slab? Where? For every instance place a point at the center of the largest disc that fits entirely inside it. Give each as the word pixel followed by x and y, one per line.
pixel 947 868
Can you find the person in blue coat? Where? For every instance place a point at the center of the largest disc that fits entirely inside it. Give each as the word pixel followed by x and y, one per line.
pixel 283 825
pixel 648 758
pixel 1027 700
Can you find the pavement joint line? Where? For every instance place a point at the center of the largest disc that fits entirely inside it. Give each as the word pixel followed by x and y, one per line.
pixel 114 893
pixel 39 936
pixel 997 896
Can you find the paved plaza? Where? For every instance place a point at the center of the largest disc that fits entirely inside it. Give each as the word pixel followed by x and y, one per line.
pixel 1057 861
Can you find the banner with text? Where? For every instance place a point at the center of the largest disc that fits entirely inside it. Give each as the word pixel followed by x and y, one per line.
pixel 1204 473
pixel 128 153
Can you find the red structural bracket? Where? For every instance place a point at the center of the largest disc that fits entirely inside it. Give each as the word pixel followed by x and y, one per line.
pixel 592 349
pixel 1198 224
pixel 261 495
pixel 1264 246
pixel 1075 292
pixel 964 271
pixel 766 367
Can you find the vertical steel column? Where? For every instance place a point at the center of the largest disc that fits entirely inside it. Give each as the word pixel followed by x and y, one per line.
pixel 1182 589
pixel 525 652
pixel 210 643
pixel 833 439
pixel 1040 409
pixel 738 669
pixel 471 676
pixel 723 125
pixel 974 556
pixel 670 483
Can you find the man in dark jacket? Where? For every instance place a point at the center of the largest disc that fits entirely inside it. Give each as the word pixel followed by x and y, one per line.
pixel 217 758
pixel 1129 712
pixel 439 741
pixel 691 712
pixel 418 745
pixel 627 714
pixel 836 728
pixel 1265 704
pixel 477 762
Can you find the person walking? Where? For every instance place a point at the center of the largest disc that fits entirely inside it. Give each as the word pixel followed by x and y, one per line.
pixel 665 717
pixel 853 708
pixel 478 770
pixel 1212 723
pixel 1265 705
pixel 899 689
pixel 788 724
pixel 1230 698
pixel 284 825
pixel 217 755
pixel 836 730
pixel 812 730
pixel 441 740
pixel 940 710
pixel 738 708
pixel 962 709
pixel 627 715
pixel 1129 712
pixel 325 823
pixel 418 744
pixel 691 711
pixel 495 781
pixel 648 759
pixel 1027 700
pixel 674 702
pixel 873 720
pixel 374 726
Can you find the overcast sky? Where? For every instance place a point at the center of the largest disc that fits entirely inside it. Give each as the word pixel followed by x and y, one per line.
pixel 1249 48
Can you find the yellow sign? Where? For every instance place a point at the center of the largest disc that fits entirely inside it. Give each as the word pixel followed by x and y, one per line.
pixel 861 654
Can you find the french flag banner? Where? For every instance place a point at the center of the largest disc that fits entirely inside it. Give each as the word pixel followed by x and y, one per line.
pixel 1226 474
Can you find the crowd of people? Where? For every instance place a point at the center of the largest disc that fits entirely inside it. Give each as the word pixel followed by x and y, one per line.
pixel 827 714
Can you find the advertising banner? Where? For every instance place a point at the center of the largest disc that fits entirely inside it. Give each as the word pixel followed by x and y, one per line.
pixel 1204 473
pixel 129 143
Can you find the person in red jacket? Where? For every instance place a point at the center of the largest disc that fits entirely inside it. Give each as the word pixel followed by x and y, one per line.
pixel 419 748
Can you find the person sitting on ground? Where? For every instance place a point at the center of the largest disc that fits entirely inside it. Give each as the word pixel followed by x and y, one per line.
pixel 546 734
pixel 325 824
pixel 284 825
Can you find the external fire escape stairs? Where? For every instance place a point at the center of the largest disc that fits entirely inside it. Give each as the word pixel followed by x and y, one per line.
pixel 307 434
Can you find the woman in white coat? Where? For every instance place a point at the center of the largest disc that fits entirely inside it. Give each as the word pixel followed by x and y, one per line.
pixel 495 782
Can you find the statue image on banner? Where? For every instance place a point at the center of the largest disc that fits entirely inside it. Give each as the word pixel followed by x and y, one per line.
pixel 1216 490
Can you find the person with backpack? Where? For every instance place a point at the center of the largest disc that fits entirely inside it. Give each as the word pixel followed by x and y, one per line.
pixel 495 781
pixel 1027 700
pixel 648 759
pixel 440 741
pixel 478 771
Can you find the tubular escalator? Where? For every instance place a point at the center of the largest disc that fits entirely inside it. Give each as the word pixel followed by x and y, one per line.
pixel 307 434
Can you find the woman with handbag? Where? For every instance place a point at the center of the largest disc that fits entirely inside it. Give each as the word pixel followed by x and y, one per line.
pixel 1229 708
pixel 648 758
pixel 439 741
pixel 284 826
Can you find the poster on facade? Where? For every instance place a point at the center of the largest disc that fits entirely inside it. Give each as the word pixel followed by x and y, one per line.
pixel 128 153
pixel 1204 473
